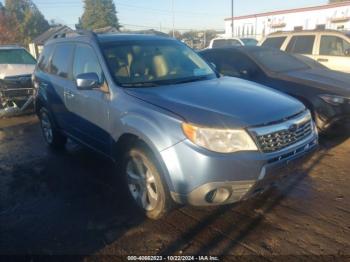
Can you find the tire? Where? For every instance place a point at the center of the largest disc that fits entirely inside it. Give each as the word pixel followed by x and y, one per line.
pixel 51 135
pixel 144 182
pixel 315 118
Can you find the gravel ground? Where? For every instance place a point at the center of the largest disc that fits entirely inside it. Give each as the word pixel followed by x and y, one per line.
pixel 71 203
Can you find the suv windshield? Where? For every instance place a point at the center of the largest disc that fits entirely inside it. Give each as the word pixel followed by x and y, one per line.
pixel 278 61
pixel 16 56
pixel 150 63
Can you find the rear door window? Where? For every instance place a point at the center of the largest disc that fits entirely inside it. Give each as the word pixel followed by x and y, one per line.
pixel 334 46
pixel 274 42
pixel 302 44
pixel 60 64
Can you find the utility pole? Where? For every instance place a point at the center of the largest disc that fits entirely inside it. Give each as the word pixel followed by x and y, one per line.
pixel 204 39
pixel 173 12
pixel 233 20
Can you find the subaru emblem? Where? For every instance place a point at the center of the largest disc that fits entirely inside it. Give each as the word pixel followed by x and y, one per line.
pixel 293 128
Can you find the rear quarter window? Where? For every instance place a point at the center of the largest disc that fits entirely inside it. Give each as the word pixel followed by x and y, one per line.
pixel 274 42
pixel 44 59
pixel 231 63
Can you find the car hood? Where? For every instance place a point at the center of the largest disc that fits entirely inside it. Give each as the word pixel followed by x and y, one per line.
pixel 224 102
pixel 15 70
pixel 327 80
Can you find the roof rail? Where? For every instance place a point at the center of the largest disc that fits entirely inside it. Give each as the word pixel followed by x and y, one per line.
pixel 88 33
pixel 75 33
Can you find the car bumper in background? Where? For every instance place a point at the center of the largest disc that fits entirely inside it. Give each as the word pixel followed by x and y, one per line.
pixel 202 178
pixel 338 116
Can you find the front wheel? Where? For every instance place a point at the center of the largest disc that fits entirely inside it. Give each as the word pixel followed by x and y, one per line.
pixel 145 183
pixel 52 136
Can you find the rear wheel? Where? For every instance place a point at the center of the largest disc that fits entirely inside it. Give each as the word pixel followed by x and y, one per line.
pixel 51 135
pixel 145 183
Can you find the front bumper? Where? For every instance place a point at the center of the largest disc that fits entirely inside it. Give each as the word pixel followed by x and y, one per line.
pixel 201 178
pixel 330 116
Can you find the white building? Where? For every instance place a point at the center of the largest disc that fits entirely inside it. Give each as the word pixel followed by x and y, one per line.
pixel 330 16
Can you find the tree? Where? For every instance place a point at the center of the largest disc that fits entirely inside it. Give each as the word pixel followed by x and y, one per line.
pixel 8 28
pixel 54 23
pixel 98 14
pixel 31 21
pixel 176 33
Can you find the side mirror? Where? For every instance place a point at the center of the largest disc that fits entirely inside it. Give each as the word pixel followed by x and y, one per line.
pixel 87 81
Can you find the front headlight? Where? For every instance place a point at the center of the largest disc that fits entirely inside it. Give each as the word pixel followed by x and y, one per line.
pixel 220 140
pixel 334 99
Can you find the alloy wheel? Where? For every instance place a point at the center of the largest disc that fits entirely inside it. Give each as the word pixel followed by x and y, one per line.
pixel 46 127
pixel 142 183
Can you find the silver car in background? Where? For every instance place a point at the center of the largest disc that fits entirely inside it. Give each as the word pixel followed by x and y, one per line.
pixel 16 68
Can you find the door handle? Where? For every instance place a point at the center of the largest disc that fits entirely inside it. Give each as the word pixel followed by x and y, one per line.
pixel 322 60
pixel 69 94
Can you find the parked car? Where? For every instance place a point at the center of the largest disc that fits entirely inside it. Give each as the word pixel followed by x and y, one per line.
pixel 232 41
pixel 329 47
pixel 249 41
pixel 180 132
pixel 325 93
pixel 16 67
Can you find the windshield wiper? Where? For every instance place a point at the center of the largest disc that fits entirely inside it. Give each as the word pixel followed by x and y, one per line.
pixel 166 82
pixel 189 80
pixel 140 84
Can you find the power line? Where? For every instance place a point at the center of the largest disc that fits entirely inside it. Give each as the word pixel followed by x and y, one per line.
pixel 134 7
pixel 167 28
pixel 73 4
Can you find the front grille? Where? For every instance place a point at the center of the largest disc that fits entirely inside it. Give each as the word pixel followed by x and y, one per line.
pixel 16 92
pixel 17 81
pixel 289 135
pixel 16 87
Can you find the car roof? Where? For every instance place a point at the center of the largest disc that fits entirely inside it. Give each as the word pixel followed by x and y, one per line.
pixel 225 38
pixel 308 31
pixel 10 47
pixel 243 49
pixel 129 37
pixel 249 38
pixel 105 38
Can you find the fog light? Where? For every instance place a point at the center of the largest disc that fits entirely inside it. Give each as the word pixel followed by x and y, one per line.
pixel 218 195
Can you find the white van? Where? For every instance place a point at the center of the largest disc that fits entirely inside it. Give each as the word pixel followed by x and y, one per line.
pixel 329 47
